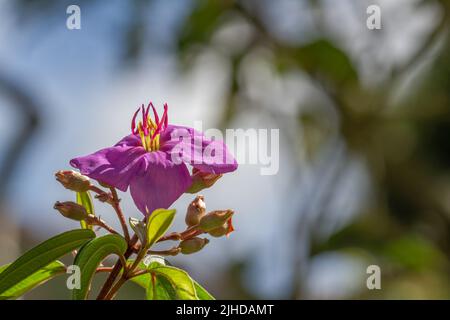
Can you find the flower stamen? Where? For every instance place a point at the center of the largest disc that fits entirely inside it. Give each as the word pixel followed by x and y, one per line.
pixel 149 130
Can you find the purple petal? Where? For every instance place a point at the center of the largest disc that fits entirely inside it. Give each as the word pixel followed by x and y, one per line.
pixel 161 184
pixel 132 140
pixel 115 166
pixel 192 147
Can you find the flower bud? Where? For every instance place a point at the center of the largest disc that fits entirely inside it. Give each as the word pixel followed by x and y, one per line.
pixel 71 210
pixel 192 245
pixel 73 180
pixel 202 180
pixel 195 211
pixel 223 230
pixel 215 219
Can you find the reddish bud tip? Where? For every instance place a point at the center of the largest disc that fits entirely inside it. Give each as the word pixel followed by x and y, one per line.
pixel 223 230
pixel 215 219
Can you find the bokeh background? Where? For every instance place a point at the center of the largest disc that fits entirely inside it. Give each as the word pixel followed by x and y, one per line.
pixel 364 119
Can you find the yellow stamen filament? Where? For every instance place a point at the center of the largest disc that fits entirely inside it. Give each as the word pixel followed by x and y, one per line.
pixel 147 142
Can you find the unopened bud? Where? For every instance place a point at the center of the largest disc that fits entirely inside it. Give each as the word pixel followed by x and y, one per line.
pixel 223 230
pixel 195 211
pixel 71 210
pixel 73 180
pixel 215 219
pixel 202 180
pixel 193 245
pixel 173 251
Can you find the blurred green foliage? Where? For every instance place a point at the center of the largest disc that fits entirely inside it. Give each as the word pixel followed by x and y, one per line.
pixel 404 143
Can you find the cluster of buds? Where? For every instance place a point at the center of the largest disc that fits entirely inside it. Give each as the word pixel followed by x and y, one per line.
pixel 216 223
pixel 77 182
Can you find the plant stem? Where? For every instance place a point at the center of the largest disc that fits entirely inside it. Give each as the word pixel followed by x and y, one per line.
pixel 188 233
pixel 114 201
pixel 139 273
pixel 170 252
pixel 115 288
pixel 95 221
pixel 125 275
pixel 116 270
pixel 138 259
pixel 111 287
pixel 175 236
pixel 120 215
pixel 96 189
pixel 104 269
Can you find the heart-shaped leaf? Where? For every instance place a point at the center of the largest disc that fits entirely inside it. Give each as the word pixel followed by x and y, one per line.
pixel 41 255
pixel 39 277
pixel 91 255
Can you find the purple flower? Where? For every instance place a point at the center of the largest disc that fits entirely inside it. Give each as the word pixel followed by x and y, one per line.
pixel 152 160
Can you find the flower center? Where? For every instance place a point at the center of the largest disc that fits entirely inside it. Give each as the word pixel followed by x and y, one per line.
pixel 149 129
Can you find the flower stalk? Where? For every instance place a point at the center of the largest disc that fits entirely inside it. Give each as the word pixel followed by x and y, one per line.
pixel 120 215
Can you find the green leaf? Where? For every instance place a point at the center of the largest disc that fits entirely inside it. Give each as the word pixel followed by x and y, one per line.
pixel 149 262
pixel 202 294
pixel 413 252
pixel 160 289
pixel 201 23
pixel 140 228
pixel 91 255
pixel 325 59
pixel 85 199
pixel 160 220
pixel 168 283
pixel 41 255
pixel 39 277
pixel 142 280
pixel 179 281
